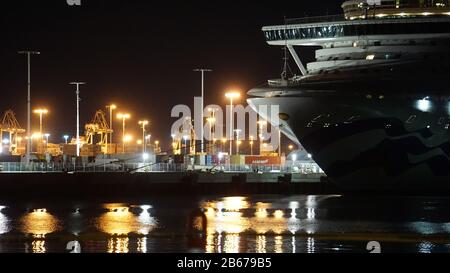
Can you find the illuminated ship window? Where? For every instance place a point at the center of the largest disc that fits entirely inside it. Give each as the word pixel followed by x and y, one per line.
pixel 370 57
pixel 411 119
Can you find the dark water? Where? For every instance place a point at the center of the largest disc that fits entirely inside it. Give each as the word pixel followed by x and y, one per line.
pixel 262 224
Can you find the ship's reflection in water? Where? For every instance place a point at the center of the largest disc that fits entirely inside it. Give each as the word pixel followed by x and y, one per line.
pixel 38 223
pixel 119 222
pixel 230 217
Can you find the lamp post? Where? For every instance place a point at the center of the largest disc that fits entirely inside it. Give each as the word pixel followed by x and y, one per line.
pixel 29 53
pixel 77 92
pixel 143 123
pixel 66 137
pixel 202 70
pixel 124 117
pixel 224 141
pixel 40 112
pixel 231 95
pixel 111 108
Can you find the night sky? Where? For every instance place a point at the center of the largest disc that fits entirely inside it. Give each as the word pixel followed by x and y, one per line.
pixel 137 54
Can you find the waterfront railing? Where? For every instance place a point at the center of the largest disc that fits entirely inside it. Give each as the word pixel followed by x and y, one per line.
pixel 42 167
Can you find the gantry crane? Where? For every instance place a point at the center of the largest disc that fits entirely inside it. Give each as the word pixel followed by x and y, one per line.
pixel 11 125
pixel 98 126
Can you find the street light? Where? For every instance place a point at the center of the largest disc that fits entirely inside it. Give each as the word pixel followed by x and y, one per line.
pixel 29 53
pixel 111 108
pixel 143 123
pixel 124 117
pixel 66 137
pixel 77 92
pixel 40 112
pixel 232 95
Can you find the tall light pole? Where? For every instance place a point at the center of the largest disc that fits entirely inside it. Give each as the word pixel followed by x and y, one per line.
pixel 202 70
pixel 251 145
pixel 29 53
pixel 78 113
pixel 143 123
pixel 231 96
pixel 123 117
pixel 111 108
pixel 66 137
pixel 40 112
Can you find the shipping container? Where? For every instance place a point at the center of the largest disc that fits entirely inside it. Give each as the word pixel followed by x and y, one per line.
pixel 263 160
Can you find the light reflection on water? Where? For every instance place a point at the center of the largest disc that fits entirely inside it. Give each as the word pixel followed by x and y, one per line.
pixel 39 223
pixel 233 224
pixel 119 222
pixel 4 223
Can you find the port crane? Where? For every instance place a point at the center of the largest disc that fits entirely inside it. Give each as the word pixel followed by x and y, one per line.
pixel 98 126
pixel 11 125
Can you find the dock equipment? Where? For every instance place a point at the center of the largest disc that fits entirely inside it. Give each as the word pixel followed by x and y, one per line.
pixel 98 126
pixel 11 125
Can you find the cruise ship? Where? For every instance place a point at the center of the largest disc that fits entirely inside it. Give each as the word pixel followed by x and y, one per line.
pixel 373 109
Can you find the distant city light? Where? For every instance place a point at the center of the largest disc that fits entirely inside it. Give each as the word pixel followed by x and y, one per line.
pixel 127 138
pixel 66 137
pixel 232 94
pixel 424 104
pixel 278 214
